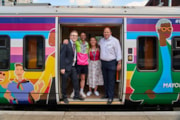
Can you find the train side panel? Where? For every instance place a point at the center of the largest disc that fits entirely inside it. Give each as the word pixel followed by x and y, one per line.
pixel 151 78
pixel 32 50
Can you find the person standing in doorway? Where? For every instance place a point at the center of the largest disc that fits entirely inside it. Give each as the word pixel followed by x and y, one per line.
pixel 67 66
pixel 110 55
pixel 95 77
pixel 82 48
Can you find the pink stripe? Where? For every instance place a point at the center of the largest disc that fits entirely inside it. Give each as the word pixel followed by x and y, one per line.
pixel 141 27
pixel 148 27
pixel 19 50
pixel 49 50
pixel 27 26
pixel 16 51
pixel 135 51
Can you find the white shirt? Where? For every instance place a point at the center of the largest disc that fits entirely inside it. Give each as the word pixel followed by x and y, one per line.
pixel 74 60
pixel 110 49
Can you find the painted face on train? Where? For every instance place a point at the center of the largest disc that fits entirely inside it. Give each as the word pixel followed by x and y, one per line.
pixel 107 33
pixel 19 70
pixel 165 30
pixel 2 76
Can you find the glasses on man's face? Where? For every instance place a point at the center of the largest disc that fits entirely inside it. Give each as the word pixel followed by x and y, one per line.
pixel 166 29
pixel 74 35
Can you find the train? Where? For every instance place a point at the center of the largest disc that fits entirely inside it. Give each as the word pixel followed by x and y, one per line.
pixel 31 37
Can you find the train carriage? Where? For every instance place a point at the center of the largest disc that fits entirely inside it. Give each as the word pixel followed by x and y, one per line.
pixel 30 39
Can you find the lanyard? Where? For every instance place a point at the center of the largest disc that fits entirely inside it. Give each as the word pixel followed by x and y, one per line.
pixel 94 54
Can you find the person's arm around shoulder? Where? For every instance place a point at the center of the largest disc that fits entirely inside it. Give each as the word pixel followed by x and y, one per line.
pixel 66 41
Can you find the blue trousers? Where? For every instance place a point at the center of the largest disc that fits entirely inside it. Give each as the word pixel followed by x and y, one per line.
pixel 109 76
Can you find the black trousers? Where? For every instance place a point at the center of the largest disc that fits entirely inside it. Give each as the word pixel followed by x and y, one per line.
pixel 73 75
pixel 109 76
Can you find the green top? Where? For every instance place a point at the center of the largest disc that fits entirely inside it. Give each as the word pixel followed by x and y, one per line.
pixel 82 48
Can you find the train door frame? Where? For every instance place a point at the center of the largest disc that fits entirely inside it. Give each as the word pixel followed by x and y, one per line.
pixel 121 85
pixel 57 55
pixel 122 80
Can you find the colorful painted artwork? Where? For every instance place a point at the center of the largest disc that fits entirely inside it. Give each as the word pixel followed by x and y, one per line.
pixel 153 87
pixel 18 86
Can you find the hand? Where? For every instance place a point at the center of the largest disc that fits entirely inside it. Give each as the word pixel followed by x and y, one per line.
pixel 62 71
pixel 65 41
pixel 118 67
pixel 41 84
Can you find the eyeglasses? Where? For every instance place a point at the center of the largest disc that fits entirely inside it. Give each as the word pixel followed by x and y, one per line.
pixel 166 29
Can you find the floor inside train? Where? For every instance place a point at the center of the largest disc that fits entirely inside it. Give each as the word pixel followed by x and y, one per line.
pixel 93 99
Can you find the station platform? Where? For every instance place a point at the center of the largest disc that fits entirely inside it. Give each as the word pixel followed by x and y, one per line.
pixel 55 115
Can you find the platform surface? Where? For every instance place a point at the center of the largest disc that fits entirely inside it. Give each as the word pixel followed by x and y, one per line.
pixel 55 115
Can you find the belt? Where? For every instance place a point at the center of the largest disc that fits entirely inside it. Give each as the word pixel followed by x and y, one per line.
pixel 109 61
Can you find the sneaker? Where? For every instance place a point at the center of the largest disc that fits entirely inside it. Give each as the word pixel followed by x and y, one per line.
pixel 72 94
pixel 96 93
pixel 89 93
pixel 82 94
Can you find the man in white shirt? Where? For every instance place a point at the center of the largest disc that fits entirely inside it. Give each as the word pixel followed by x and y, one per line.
pixel 110 56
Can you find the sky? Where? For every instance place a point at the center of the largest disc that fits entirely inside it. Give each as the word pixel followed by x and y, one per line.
pixel 94 2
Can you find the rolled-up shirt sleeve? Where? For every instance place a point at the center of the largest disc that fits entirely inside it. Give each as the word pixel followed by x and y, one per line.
pixel 118 50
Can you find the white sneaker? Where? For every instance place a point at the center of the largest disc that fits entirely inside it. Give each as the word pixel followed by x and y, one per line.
pixel 96 93
pixel 72 94
pixel 82 94
pixel 89 93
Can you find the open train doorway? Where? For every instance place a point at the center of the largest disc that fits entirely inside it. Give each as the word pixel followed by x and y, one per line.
pixel 96 31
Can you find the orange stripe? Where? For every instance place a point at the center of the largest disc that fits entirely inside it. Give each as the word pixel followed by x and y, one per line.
pixel 128 83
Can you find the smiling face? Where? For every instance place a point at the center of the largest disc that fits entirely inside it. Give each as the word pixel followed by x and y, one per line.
pixel 2 76
pixel 83 36
pixel 107 33
pixel 73 36
pixel 93 42
pixel 165 30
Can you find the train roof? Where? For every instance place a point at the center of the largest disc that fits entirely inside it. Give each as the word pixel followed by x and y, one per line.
pixel 89 10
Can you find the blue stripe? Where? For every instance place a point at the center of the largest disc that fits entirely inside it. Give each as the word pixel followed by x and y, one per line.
pixel 135 35
pixel 21 34
pixel 91 20
pixel 27 20
pixel 147 21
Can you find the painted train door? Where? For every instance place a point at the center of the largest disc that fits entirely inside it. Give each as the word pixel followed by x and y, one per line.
pixel 92 27
pixel 154 75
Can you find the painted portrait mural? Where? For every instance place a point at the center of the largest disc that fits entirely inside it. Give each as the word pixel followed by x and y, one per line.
pixel 157 87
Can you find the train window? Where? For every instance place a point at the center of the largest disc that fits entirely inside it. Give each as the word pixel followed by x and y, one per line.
pixel 4 52
pixel 34 52
pixel 176 53
pixel 147 50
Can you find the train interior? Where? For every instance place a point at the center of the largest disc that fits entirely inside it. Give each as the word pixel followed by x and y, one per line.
pixel 97 31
